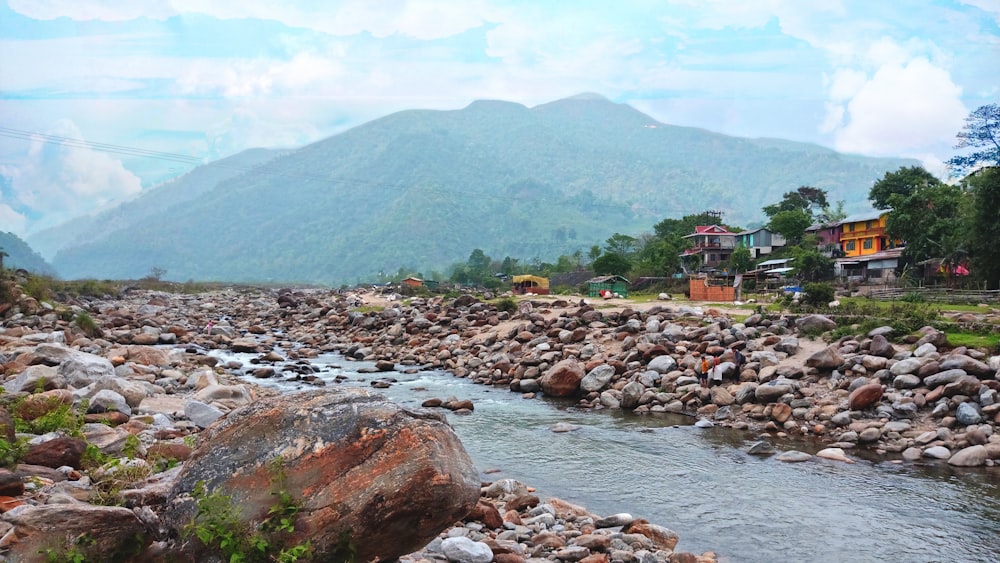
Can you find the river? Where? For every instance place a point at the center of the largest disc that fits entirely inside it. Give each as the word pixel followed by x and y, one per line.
pixel 701 483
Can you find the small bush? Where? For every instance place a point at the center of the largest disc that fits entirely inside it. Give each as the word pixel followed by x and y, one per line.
pixel 818 294
pixel 86 323
pixel 507 304
pixel 913 297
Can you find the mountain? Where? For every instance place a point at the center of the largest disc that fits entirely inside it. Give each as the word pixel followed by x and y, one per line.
pixel 422 189
pixel 20 255
pixel 133 213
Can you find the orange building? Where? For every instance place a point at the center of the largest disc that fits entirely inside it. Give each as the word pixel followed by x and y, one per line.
pixel 862 235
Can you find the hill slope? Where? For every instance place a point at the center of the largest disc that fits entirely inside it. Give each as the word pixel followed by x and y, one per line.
pixel 423 188
pixel 20 255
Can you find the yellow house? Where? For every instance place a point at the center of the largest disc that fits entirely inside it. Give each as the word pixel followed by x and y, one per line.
pixel 862 235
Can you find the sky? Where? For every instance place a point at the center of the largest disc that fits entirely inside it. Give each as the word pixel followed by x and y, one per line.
pixel 100 99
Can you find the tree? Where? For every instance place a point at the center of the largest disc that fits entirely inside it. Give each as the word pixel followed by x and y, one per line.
pixel 791 224
pixel 984 228
pixel 929 220
pixel 812 265
pixel 594 253
pixel 982 132
pixel 612 264
pixel 741 259
pixel 903 182
pixel 807 199
pixel 620 244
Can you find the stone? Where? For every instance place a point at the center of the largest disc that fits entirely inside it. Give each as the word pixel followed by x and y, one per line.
pixel 662 538
pixel 793 456
pixel 390 477
pixel 880 346
pixel 937 452
pixel 662 364
pixel 56 452
pixel 110 530
pixel 815 323
pixel 631 394
pixel 771 392
pixel 107 400
pixel 968 413
pixel 464 550
pixel 563 379
pixel 789 345
pixel 781 412
pixel 968 365
pixel 835 454
pixel 865 397
pixel 972 456
pixel 826 359
pixel 77 367
pixel 597 378
pixel 906 381
pixel 201 414
pixel 909 365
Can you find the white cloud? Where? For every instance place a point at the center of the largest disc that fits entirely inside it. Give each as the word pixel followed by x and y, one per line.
pixel 11 220
pixel 58 180
pixel 902 110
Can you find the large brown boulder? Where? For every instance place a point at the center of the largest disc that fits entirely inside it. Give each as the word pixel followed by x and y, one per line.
pixel 865 397
pixel 50 532
pixel 363 469
pixel 563 379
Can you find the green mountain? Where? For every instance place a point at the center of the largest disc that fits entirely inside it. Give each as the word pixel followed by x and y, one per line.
pixel 20 256
pixel 422 189
pixel 133 213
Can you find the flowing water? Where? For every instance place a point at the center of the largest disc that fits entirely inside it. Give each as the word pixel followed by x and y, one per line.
pixel 701 483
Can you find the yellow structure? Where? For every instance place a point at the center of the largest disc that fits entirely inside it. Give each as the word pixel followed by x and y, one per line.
pixel 531 284
pixel 864 235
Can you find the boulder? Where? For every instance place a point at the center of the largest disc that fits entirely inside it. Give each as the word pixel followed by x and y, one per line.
pixel 826 359
pixel 110 532
pixel 815 323
pixel 662 538
pixel 771 392
pixel 968 365
pixel 562 379
pixel 865 397
pixel 972 456
pixel 364 469
pixel 663 364
pixel 597 378
pixel 880 346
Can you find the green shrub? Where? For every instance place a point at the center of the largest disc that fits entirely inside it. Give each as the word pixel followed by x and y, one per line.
pixel 87 324
pixel 11 453
pixel 913 297
pixel 818 294
pixel 507 304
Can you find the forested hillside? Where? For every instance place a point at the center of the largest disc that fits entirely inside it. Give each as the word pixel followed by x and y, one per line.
pixel 17 254
pixel 421 189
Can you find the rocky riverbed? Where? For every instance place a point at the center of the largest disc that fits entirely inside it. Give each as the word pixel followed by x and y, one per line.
pixel 151 388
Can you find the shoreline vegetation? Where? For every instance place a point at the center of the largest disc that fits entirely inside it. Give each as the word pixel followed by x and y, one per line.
pixel 903 396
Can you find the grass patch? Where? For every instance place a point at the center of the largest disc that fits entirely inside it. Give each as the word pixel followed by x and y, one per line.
pixel 368 309
pixel 972 340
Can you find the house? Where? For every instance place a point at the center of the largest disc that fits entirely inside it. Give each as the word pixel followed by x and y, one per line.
pixel 614 284
pixel 412 282
pixel 864 234
pixel 827 237
pixel 714 244
pixel 877 266
pixel 760 241
pixel 531 284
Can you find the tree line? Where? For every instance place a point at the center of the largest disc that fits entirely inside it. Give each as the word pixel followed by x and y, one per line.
pixel 956 223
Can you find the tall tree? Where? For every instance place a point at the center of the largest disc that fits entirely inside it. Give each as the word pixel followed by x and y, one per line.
pixel 741 259
pixel 620 244
pixel 984 226
pixel 903 182
pixel 805 198
pixel 981 133
pixel 929 220
pixel 791 224
pixel 612 264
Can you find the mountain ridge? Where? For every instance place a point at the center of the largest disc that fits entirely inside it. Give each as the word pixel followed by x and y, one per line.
pixel 422 188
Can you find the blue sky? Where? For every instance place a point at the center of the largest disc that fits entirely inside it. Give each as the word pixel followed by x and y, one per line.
pixel 204 79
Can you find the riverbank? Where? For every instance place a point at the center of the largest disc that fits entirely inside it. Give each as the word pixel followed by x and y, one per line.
pixel 140 367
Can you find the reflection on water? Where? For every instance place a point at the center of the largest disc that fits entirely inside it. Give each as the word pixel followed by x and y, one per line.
pixel 702 484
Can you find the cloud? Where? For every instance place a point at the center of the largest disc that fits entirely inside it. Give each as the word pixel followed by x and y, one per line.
pixel 902 109
pixel 57 181
pixel 106 10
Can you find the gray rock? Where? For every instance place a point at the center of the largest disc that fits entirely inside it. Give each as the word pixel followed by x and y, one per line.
pixel 464 550
pixel 614 520
pixel 810 323
pixel 826 359
pixel 842 418
pixel 663 364
pixel 631 394
pixel 597 378
pixel 788 345
pixel 937 452
pixel 909 365
pixel 906 381
pixel 200 413
pixel 762 447
pixel 880 346
pixel 108 400
pixel 746 393
pixel 912 454
pixel 967 364
pixel 771 392
pixel 79 368
pixel 968 413
pixel 794 456
pixel 870 434
pixel 943 377
pixel 34 377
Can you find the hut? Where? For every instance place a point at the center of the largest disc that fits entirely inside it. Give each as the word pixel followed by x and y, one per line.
pixel 602 284
pixel 531 284
pixel 412 282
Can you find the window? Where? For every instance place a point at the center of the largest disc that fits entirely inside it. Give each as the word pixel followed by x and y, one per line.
pixel 849 246
pixel 868 224
pixel 850 227
pixel 867 244
pixel 712 258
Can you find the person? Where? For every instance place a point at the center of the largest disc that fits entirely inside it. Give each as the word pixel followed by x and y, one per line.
pixel 703 375
pixel 716 371
pixel 208 327
pixel 738 360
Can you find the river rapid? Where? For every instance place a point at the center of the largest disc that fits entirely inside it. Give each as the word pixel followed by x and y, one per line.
pixel 700 482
